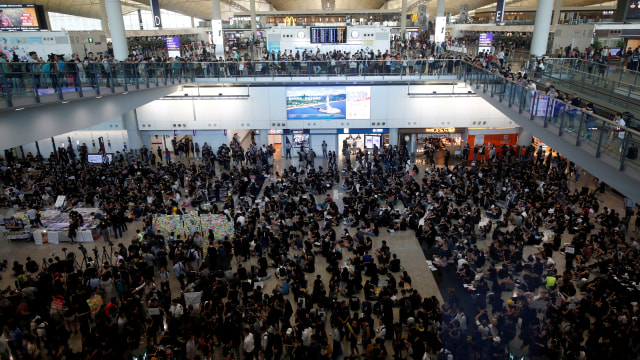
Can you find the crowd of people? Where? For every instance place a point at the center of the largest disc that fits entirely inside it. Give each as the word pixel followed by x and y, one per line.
pixel 264 297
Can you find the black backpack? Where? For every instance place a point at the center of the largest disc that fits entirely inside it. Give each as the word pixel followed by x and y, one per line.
pixel 632 152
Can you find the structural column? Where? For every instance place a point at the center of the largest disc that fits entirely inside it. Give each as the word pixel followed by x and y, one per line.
pixel 116 28
pixel 254 28
pixel 541 28
pixel 130 122
pixel 403 20
pixel 556 14
pixel 393 136
pixel 263 137
pixel 440 8
pixel 524 138
pixel 216 33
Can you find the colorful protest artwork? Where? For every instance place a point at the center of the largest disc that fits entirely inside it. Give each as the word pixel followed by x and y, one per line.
pixel 189 223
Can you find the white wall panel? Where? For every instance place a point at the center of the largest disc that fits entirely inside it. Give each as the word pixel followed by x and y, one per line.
pixel 316 143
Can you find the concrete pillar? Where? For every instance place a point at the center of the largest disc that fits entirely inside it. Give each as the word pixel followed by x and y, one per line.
pixel 403 19
pixel 556 14
pixel 254 28
pixel 524 138
pixel 263 137
pixel 393 136
pixel 130 121
pixel 217 34
pixel 193 22
pixel 440 8
pixel 116 28
pixel 541 28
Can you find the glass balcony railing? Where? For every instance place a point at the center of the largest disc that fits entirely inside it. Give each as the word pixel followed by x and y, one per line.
pixel 26 84
pixel 585 127
pixel 30 84
pixel 616 85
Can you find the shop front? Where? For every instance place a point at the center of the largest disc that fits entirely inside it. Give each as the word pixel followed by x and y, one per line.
pixel 417 140
pixel 362 139
pixel 489 137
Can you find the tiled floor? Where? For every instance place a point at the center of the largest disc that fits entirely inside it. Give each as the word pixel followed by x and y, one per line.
pixel 404 244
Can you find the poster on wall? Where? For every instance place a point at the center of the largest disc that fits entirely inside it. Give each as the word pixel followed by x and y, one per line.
pixel 327 103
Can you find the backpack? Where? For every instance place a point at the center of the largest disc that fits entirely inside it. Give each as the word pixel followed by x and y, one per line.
pixel 191 256
pixel 120 286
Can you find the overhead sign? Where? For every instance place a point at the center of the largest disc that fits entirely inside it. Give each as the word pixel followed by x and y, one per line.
pixel 485 42
pixel 289 21
pixel 500 11
pixel 440 130
pixel 155 10
pixel 173 43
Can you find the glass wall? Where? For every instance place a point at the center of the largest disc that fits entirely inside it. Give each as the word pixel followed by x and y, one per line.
pixel 170 20
pixel 73 23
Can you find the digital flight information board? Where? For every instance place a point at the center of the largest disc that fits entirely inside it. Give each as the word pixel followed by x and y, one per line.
pixel 328 35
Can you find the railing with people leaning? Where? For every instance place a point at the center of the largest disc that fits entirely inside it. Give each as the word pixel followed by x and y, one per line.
pixel 585 127
pixel 617 85
pixel 28 84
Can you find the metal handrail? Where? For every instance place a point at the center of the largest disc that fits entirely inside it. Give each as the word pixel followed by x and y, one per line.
pixel 34 83
pixel 559 114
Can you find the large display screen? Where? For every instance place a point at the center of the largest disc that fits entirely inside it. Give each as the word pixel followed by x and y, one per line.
pixel 331 102
pixel 19 17
pixel 371 140
pixel 485 42
pixel 328 35
pixel 633 10
pixel 98 159
pixel 173 43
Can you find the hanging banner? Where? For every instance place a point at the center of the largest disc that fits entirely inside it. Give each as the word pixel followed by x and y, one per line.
pixel 422 17
pixel 464 14
pixel 500 11
pixel 441 23
pixel 155 10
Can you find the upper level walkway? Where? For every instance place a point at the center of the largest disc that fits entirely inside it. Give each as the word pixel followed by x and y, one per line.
pixel 614 88
pixel 24 84
pixel 598 145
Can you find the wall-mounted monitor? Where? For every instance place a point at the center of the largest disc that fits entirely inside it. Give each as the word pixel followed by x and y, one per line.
pixel 633 10
pixel 328 35
pixel 371 140
pixel 98 158
pixel 329 102
pixel 22 17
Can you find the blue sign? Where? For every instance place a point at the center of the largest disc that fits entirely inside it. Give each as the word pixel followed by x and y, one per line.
pixel 173 43
pixel 155 10
pixel 500 11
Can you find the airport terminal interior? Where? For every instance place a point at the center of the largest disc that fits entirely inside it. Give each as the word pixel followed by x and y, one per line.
pixel 319 179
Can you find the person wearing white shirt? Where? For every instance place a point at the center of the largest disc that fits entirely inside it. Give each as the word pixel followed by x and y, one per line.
pixel 248 345
pixel 176 309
